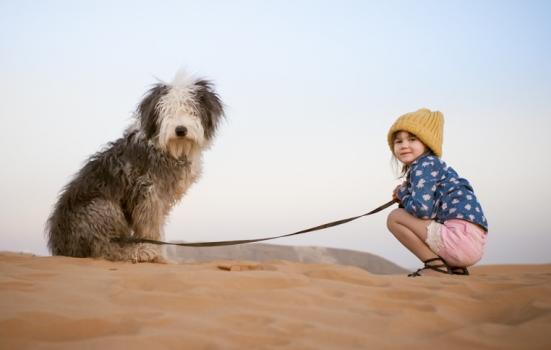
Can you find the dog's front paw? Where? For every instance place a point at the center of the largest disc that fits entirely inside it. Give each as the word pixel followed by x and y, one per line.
pixel 161 259
pixel 148 253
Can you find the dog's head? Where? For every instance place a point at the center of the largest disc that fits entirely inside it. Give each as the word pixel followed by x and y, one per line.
pixel 182 116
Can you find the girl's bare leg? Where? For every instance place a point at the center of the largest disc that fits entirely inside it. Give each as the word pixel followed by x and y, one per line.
pixel 411 232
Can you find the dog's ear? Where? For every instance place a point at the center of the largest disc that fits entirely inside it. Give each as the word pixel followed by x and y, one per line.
pixel 148 111
pixel 211 108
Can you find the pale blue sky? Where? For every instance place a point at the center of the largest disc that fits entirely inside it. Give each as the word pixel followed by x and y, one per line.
pixel 311 88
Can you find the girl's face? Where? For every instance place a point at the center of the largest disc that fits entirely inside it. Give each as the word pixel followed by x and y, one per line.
pixel 407 147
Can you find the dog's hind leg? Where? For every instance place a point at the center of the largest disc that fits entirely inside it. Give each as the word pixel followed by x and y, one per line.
pixel 104 220
pixel 88 230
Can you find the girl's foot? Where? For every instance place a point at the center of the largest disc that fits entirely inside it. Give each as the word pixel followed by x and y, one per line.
pixel 436 266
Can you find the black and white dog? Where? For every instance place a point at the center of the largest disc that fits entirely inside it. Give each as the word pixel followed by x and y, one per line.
pixel 128 189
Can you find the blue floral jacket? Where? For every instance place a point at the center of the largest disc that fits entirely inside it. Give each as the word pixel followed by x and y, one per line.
pixel 435 191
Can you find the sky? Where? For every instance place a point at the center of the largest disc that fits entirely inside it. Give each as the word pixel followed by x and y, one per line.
pixel 310 88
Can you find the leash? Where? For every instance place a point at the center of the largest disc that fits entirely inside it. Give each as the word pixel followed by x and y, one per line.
pixel 132 240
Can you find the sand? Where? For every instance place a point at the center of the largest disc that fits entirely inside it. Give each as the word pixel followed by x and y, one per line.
pixel 67 303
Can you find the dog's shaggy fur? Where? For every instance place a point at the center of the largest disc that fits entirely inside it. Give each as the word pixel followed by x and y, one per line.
pixel 128 189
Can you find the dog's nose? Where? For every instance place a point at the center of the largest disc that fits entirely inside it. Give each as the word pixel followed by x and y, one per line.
pixel 181 131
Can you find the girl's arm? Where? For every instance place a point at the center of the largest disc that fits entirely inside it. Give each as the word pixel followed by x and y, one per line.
pixel 418 195
pixel 395 192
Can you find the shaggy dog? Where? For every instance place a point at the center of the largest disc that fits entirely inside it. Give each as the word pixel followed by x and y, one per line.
pixel 128 189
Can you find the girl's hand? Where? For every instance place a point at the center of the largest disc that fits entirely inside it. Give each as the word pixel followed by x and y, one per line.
pixel 395 193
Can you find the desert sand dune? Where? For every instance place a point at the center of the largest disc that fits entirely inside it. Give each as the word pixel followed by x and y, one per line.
pixel 68 303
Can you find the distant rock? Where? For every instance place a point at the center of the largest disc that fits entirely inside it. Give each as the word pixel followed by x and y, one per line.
pixel 264 252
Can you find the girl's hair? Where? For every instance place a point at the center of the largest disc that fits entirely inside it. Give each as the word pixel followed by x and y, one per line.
pixel 399 171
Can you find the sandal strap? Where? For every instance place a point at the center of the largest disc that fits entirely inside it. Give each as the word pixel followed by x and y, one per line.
pixel 439 268
pixel 434 259
pixel 458 270
pixel 416 273
pixel 443 267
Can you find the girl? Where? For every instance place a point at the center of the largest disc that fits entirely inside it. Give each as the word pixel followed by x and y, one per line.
pixel 439 219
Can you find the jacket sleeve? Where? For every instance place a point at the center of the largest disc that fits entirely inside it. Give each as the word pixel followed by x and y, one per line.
pixel 417 195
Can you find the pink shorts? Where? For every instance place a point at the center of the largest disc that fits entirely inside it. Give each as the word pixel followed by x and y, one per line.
pixel 458 242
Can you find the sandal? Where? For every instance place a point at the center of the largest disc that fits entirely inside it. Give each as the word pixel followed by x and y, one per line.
pixel 442 268
pixel 456 270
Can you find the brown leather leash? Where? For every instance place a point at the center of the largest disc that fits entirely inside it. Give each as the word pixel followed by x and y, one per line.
pixel 133 240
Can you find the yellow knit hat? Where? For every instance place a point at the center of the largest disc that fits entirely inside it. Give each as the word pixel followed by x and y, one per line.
pixel 428 126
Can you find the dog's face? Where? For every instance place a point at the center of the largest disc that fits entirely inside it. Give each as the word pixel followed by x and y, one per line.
pixel 181 116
